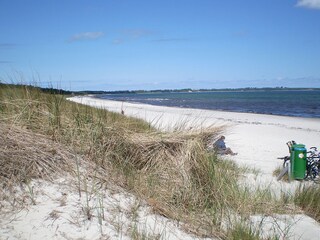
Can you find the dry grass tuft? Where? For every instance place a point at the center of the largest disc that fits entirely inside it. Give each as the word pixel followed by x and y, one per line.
pixel 25 155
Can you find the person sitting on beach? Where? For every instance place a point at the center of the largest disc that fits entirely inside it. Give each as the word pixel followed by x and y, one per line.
pixel 221 148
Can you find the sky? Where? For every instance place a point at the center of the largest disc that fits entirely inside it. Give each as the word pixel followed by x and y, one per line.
pixel 168 44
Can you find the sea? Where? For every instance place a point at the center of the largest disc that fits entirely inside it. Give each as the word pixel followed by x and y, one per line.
pixel 297 103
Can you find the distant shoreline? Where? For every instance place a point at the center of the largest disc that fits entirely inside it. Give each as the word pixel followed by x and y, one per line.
pixel 294 103
pixel 184 90
pixel 201 90
pixel 205 109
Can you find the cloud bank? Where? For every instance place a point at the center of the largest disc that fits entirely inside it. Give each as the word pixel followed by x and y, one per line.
pixel 313 4
pixel 86 36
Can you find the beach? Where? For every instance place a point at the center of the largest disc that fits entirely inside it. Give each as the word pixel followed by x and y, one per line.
pixel 257 138
pixel 75 204
pixel 160 120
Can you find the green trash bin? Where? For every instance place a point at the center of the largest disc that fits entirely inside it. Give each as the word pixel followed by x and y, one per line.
pixel 298 161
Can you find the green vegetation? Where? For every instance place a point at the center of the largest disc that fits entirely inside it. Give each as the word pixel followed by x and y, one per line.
pixel 172 172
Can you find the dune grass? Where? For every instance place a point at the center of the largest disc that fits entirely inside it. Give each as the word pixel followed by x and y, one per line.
pixel 307 197
pixel 173 172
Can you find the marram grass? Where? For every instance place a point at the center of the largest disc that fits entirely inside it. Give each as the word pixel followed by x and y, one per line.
pixel 173 172
pixel 308 198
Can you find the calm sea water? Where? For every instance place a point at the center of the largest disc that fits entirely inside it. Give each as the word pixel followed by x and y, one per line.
pixel 304 103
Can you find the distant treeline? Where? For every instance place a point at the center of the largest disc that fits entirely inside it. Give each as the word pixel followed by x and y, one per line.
pixel 46 90
pixel 213 90
pixel 200 90
pixel 65 92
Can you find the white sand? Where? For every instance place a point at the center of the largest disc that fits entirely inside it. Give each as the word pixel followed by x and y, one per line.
pixel 258 139
pixel 59 213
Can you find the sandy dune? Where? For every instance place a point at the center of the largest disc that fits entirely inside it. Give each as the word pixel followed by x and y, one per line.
pixel 258 140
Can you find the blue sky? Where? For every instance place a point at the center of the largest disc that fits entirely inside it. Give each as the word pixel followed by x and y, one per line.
pixel 150 44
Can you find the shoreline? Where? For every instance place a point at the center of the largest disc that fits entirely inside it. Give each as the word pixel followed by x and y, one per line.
pixel 259 139
pixel 310 123
pixel 204 109
pixel 258 102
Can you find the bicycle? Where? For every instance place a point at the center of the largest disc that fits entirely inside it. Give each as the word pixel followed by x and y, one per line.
pixel 286 162
pixel 313 163
pixel 286 167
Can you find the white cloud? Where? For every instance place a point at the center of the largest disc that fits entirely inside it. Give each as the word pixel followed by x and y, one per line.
pixel 314 4
pixel 86 36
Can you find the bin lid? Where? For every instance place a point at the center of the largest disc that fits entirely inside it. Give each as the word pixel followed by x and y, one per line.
pixel 299 146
